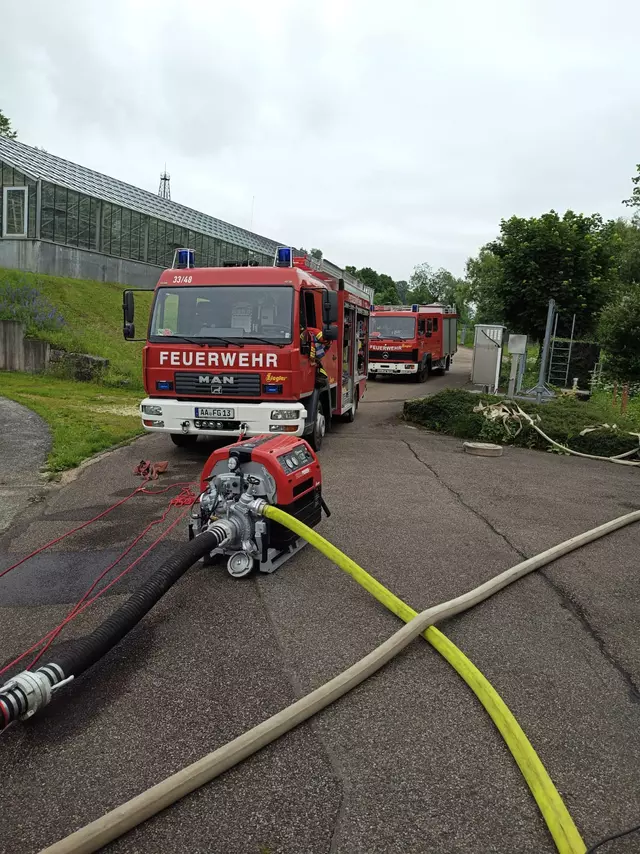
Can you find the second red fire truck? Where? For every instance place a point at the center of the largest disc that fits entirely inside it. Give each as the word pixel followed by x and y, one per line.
pixel 412 340
pixel 248 350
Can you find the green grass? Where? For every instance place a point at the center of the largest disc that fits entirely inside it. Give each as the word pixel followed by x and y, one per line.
pixel 85 418
pixel 93 321
pixel 562 419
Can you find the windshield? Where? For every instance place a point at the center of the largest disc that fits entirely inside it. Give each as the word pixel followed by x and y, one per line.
pixel 227 312
pixel 393 327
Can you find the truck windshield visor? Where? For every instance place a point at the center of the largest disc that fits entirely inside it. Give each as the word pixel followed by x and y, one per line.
pixel 224 311
pixel 393 327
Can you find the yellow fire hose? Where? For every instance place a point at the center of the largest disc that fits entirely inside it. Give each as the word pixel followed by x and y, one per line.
pixel 118 821
pixel 561 826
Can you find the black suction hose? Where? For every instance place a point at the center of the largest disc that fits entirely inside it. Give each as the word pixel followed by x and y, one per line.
pixel 81 653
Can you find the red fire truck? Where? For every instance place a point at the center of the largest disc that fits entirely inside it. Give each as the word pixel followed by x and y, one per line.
pixel 247 350
pixel 412 340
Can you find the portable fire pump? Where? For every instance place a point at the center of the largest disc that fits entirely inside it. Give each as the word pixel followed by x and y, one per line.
pixel 280 470
pixel 238 486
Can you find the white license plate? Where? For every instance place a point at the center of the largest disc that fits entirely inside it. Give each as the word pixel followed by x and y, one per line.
pixel 208 412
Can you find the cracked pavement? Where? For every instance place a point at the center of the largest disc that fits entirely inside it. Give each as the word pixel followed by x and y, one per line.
pixel 409 761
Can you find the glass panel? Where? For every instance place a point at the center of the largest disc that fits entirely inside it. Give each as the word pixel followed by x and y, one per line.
pixel 105 239
pixel 46 217
pixel 393 327
pixel 60 215
pixel 135 232
pixel 33 205
pixel 72 218
pixel 14 202
pixel 234 312
pixel 7 175
pixel 152 251
pixel 168 247
pixel 162 229
pixel 125 244
pixel 84 222
pixel 116 230
pixel 94 212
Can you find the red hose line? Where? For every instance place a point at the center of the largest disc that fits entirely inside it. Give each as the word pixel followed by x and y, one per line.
pixel 184 499
pixel 139 489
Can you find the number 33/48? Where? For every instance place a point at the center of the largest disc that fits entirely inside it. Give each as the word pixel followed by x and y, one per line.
pixel 182 280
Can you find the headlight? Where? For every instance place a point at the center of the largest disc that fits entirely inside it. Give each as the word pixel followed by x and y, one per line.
pixel 285 414
pixel 152 410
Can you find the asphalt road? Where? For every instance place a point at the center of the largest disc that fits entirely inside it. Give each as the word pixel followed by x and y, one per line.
pixel 408 762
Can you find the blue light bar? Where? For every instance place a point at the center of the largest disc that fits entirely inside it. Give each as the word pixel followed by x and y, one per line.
pixel 272 389
pixel 284 256
pixel 414 307
pixel 186 258
pixel 164 385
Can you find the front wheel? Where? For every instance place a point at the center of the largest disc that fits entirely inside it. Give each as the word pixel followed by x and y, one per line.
pixel 319 427
pixel 448 363
pixel 184 440
pixel 372 377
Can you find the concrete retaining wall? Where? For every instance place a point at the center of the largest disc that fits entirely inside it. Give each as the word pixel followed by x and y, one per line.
pixel 40 256
pixel 18 353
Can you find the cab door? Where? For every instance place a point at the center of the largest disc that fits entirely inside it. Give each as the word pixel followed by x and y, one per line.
pixel 306 322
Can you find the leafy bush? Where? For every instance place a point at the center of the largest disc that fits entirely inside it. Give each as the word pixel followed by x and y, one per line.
pixel 620 336
pixel 20 301
pixel 562 419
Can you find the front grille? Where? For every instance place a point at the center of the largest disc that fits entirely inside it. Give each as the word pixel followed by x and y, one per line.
pixel 393 356
pixel 231 385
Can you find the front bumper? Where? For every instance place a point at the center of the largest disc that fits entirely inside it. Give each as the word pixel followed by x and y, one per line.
pixel 393 367
pixel 178 416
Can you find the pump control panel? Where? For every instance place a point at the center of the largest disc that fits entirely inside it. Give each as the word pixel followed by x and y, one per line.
pixel 295 459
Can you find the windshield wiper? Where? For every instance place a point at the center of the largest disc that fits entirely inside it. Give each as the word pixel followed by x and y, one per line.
pixel 262 340
pixel 201 342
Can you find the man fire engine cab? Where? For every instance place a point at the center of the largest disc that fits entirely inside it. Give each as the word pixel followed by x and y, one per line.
pixel 412 340
pixel 248 350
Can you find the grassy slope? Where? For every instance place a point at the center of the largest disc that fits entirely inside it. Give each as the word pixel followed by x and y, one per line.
pixel 85 418
pixel 93 320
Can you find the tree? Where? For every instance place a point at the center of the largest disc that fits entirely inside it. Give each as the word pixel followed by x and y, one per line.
pixel 634 200
pixel 386 292
pixel 316 253
pixel 484 278
pixel 619 334
pixel 402 287
pixel 420 284
pixel 571 259
pixel 5 127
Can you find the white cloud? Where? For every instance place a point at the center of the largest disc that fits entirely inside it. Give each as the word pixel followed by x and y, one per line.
pixel 384 133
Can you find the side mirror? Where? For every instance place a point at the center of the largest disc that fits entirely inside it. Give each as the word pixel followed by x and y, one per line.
pixel 127 308
pixel 129 331
pixel 330 332
pixel 330 308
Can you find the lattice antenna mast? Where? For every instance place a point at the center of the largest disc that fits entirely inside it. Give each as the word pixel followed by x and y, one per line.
pixel 164 190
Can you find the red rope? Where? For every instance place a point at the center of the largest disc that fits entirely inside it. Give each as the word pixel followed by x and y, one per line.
pixel 184 499
pixel 72 531
pixel 51 635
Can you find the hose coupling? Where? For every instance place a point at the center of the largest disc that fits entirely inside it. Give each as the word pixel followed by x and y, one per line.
pixel 27 692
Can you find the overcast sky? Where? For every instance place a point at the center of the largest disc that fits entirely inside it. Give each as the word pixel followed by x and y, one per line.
pixel 384 133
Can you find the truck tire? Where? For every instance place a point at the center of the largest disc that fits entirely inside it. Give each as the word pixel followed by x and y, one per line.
pixel 448 363
pixel 184 440
pixel 372 377
pixel 319 427
pixel 422 373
